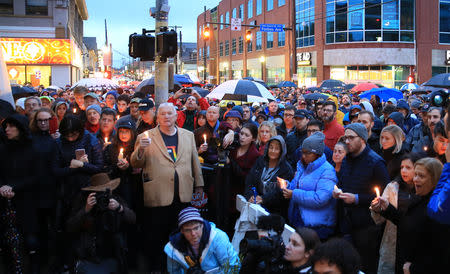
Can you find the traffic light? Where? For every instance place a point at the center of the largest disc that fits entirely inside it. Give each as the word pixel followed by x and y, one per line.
pixel 167 44
pixel 206 33
pixel 142 46
pixel 248 36
pixel 411 79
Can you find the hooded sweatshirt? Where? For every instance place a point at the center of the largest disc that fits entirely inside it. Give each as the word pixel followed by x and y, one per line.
pixel 398 119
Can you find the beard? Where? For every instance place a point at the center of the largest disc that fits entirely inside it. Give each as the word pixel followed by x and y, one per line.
pixel 327 119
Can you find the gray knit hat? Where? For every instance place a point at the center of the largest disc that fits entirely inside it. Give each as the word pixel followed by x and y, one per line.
pixel 314 143
pixel 360 130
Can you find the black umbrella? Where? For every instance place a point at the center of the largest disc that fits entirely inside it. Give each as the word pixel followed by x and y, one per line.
pixel 313 89
pixel 201 91
pixel 331 83
pixel 440 80
pixel 5 109
pixel 22 90
pixel 148 86
pixel 349 86
pixel 425 90
pixel 315 96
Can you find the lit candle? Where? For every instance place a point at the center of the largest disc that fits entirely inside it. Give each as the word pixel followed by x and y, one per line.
pixel 120 154
pixel 377 191
pixel 282 183
pixel 204 137
pixel 117 117
pixel 146 134
pixel 425 148
pixel 106 140
pixel 74 110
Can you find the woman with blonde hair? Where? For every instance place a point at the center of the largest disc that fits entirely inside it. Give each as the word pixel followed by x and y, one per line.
pixel 266 131
pixel 391 142
pixel 422 244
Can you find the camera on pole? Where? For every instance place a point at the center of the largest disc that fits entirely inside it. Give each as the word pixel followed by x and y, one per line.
pixel 142 46
pixel 166 44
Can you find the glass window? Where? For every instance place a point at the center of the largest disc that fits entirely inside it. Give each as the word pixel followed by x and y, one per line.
pixel 281 2
pixel 390 35
pixel 241 11
pixel 372 36
pixel 444 22
pixel 355 15
pixel 233 46
pixel 250 9
pixel 341 37
pixel 227 19
pixel 330 17
pixel 355 36
pixel 269 44
pixel 373 14
pixel 36 7
pixel 269 5
pixel 438 70
pixel 341 16
pixel 281 39
pixel 258 7
pixel 227 48
pixel 207 52
pixel 17 74
pixel 407 14
pixel 6 7
pixel 200 54
pixel 221 21
pixel 330 38
pixel 234 15
pixel 39 75
pixel 241 45
pixel 258 40
pixel 305 23
pixel 390 15
pixel 249 46
pixel 407 36
pixel 221 48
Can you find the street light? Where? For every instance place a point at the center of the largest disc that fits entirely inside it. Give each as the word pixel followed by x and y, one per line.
pixel 262 59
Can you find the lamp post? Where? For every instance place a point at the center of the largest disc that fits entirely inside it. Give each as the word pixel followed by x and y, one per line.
pixel 262 59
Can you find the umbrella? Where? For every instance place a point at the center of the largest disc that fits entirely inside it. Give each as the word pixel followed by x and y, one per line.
pixel 409 86
pixel 241 90
pixel 315 96
pixel 383 93
pixel 425 90
pixel 22 90
pixel 202 92
pixel 96 83
pixel 331 83
pixel 440 80
pixel 148 86
pixel 55 88
pixel 313 89
pixel 349 86
pixel 182 79
pixel 287 84
pixel 256 80
pixel 364 87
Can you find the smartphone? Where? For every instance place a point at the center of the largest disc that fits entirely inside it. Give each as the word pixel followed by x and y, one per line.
pixel 53 123
pixel 79 153
pixel 187 90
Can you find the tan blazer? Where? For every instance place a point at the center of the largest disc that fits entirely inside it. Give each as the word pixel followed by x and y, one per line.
pixel 159 168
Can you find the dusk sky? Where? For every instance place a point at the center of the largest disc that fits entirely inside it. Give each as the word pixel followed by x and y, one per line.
pixel 126 17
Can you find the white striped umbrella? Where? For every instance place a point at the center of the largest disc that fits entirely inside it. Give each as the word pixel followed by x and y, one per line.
pixel 241 90
pixel 96 83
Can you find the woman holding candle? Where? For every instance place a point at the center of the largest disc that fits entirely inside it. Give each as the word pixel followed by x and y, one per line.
pixel 399 194
pixel 201 119
pixel 263 176
pixel 310 192
pixel 422 244
pixel 391 141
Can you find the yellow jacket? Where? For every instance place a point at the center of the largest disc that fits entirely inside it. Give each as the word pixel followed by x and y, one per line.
pixel 339 114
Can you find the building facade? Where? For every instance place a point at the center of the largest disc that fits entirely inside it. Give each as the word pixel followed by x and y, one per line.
pixel 379 41
pixel 42 40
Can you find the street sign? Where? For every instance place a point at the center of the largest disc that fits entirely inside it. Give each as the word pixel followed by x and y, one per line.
pixel 236 24
pixel 271 27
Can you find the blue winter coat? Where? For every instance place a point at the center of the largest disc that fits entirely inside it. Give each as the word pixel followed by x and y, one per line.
pixel 218 253
pixel 439 205
pixel 312 203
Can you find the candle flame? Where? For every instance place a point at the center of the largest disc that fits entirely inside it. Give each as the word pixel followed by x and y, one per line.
pixel 282 183
pixel 106 139
pixel 377 191
pixel 117 117
pixel 204 137
pixel 146 134
pixel 121 150
pixel 74 110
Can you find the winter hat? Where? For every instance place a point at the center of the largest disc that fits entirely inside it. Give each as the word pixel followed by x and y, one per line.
pixel 415 104
pixel 92 95
pixel 187 215
pixel 315 143
pixel 398 118
pixel 233 113
pixel 94 107
pixel 6 109
pixel 359 129
pixel 393 101
pixel 239 109
pixel 113 93
pixel 402 104
pixel 146 104
pixel 125 122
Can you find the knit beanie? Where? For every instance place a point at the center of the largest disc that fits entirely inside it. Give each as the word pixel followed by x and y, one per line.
pixel 187 215
pixel 360 130
pixel 94 107
pixel 314 143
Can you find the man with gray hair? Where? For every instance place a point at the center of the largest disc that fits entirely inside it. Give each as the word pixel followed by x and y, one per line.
pixel 171 170
pixel 32 104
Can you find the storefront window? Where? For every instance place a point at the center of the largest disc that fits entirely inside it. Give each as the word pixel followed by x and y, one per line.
pixel 38 75
pixel 275 75
pixel 17 74
pixel 307 76
pixel 388 76
pixel 237 74
pixel 255 73
pixel 439 70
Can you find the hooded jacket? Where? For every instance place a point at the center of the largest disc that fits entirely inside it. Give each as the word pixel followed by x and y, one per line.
pixel 398 119
pixel 409 122
pixel 339 114
pixel 266 183
pixel 312 203
pixel 439 206
pixel 217 252
pixel 294 140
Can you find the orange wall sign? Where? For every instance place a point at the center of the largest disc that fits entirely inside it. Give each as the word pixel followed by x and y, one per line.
pixel 36 51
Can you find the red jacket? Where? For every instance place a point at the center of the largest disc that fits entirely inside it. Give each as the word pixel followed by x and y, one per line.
pixel 333 131
pixel 203 103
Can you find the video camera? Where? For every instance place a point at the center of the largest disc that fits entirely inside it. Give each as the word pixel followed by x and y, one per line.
pixel 439 98
pixel 266 253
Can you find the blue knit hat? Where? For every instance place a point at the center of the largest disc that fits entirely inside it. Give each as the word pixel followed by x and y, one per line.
pixel 187 215
pixel 233 114
pixel 94 107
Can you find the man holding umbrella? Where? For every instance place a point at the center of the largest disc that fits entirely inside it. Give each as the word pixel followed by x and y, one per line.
pixel 187 117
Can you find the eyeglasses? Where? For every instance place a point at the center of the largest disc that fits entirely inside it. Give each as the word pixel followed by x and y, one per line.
pixel 327 110
pixel 349 138
pixel 43 121
pixel 194 229
pixel 288 115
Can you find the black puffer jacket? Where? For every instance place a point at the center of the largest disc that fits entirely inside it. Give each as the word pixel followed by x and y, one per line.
pixel 269 191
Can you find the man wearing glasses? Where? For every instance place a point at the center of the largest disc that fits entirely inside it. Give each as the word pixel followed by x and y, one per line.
pixel 333 130
pixel 362 170
pixel 288 124
pixel 199 246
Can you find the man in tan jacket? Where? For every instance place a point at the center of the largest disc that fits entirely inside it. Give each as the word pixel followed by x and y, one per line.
pixel 171 170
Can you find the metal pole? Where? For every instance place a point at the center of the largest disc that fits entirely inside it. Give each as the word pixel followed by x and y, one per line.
pixel 161 68
pixel 204 46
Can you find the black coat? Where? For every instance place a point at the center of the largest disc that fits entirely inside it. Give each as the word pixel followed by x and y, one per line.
pixel 46 151
pixel 393 161
pixel 293 141
pixel 420 240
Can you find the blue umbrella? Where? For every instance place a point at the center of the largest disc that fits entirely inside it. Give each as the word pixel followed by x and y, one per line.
pixel 383 93
pixel 409 86
pixel 183 79
pixel 256 80
pixel 440 80
pixel 287 84
pixel 241 90
pixel 331 83
pixel 315 96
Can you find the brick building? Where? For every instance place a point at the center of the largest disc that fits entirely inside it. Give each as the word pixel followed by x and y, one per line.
pixel 380 41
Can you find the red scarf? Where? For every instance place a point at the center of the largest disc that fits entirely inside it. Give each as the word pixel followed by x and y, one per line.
pixel 91 128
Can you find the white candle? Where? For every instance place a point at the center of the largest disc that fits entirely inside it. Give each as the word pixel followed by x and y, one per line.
pixel 106 140
pixel 74 110
pixel 120 154
pixel 282 183
pixel 377 191
pixel 204 138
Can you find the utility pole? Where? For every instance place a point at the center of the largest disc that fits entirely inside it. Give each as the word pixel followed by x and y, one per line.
pixel 204 47
pixel 161 67
pixel 180 49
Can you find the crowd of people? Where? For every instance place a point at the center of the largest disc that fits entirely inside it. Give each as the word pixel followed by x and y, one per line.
pixel 93 180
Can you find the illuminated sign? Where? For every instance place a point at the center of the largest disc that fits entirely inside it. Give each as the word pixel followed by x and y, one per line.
pixel 447 57
pixel 304 59
pixel 36 51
